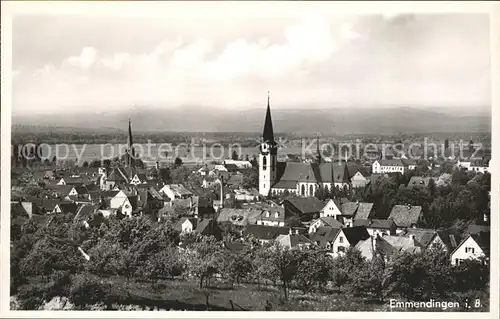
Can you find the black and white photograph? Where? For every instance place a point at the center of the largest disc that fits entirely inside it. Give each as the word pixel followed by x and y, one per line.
pixel 248 156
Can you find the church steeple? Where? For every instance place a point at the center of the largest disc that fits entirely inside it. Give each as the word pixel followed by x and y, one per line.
pixel 268 133
pixel 130 147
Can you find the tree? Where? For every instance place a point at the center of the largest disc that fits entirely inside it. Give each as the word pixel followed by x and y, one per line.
pixel 432 187
pixel 284 263
pixel 369 278
pixel 254 162
pixel 178 162
pixel 313 270
pixel 85 164
pixel 203 258
pixel 250 178
pixel 234 155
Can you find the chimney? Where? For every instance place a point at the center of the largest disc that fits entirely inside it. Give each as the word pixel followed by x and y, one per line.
pixel 290 232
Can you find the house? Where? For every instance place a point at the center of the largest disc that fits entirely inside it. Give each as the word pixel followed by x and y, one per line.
pixel 206 227
pixel 382 166
pixel 419 181
pixel 48 206
pixel 324 222
pixel 232 168
pixel 423 236
pixel 138 179
pixel 235 181
pixel 358 180
pixel 186 225
pixel 202 207
pixel 294 241
pixel 404 244
pixel 324 237
pixel 64 191
pixel 445 240
pixel 306 209
pixel 210 181
pixel 348 237
pixel 75 181
pixel 265 234
pixel 355 210
pixel 65 208
pixel 406 216
pixel 239 217
pixel 117 176
pixel 376 246
pixel 472 247
pixel 176 191
pixel 238 164
pixel 331 209
pixel 376 227
pixel 85 215
pixel 278 216
pixel 246 195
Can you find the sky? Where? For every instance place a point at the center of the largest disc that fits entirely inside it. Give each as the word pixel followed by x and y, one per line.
pixel 306 58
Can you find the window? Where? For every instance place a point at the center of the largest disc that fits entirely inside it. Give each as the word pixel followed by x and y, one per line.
pixel 311 190
pixel 276 215
pixel 469 250
pixel 341 239
pixel 268 214
pixel 264 162
pixel 341 249
pixel 303 190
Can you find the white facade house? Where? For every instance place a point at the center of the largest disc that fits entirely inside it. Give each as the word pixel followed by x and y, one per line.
pixel 138 179
pixel 187 227
pixel 330 210
pixel 340 244
pixel 239 164
pixel 175 191
pixel 389 166
pixel 470 248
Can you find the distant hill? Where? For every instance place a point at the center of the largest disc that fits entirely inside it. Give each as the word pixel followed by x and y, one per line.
pixel 203 119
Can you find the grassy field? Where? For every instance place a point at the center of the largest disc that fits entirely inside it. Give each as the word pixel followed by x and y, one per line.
pixel 186 295
pixel 180 294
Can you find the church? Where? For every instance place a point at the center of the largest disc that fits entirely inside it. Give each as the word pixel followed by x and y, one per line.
pixel 302 179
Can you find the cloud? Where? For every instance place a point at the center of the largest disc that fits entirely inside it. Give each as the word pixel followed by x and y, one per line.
pixel 86 59
pixel 355 60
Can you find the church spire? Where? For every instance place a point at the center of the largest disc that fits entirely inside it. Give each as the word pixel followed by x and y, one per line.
pixel 268 134
pixel 130 143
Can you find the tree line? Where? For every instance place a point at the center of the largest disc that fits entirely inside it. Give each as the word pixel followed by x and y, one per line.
pixel 141 249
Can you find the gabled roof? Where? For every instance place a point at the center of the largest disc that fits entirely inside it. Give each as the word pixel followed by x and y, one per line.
pixel 17 210
pixel 334 173
pixel 382 247
pixel 204 226
pixel 405 215
pixel 349 208
pixel 390 162
pixel 308 205
pixel 404 244
pixel 419 181
pixel 50 204
pixel 293 240
pixel 450 239
pixel 265 232
pixel 364 211
pixel 109 194
pixel 63 190
pixel 68 208
pixel 331 222
pixel 118 175
pixel 298 172
pixel 178 225
pixel 324 235
pixel 374 223
pixel 84 212
pixel 355 234
pixel 242 217
pixel 482 239
pixel 423 236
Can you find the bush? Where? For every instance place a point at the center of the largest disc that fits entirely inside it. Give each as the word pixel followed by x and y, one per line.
pixel 87 290
pixel 32 297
